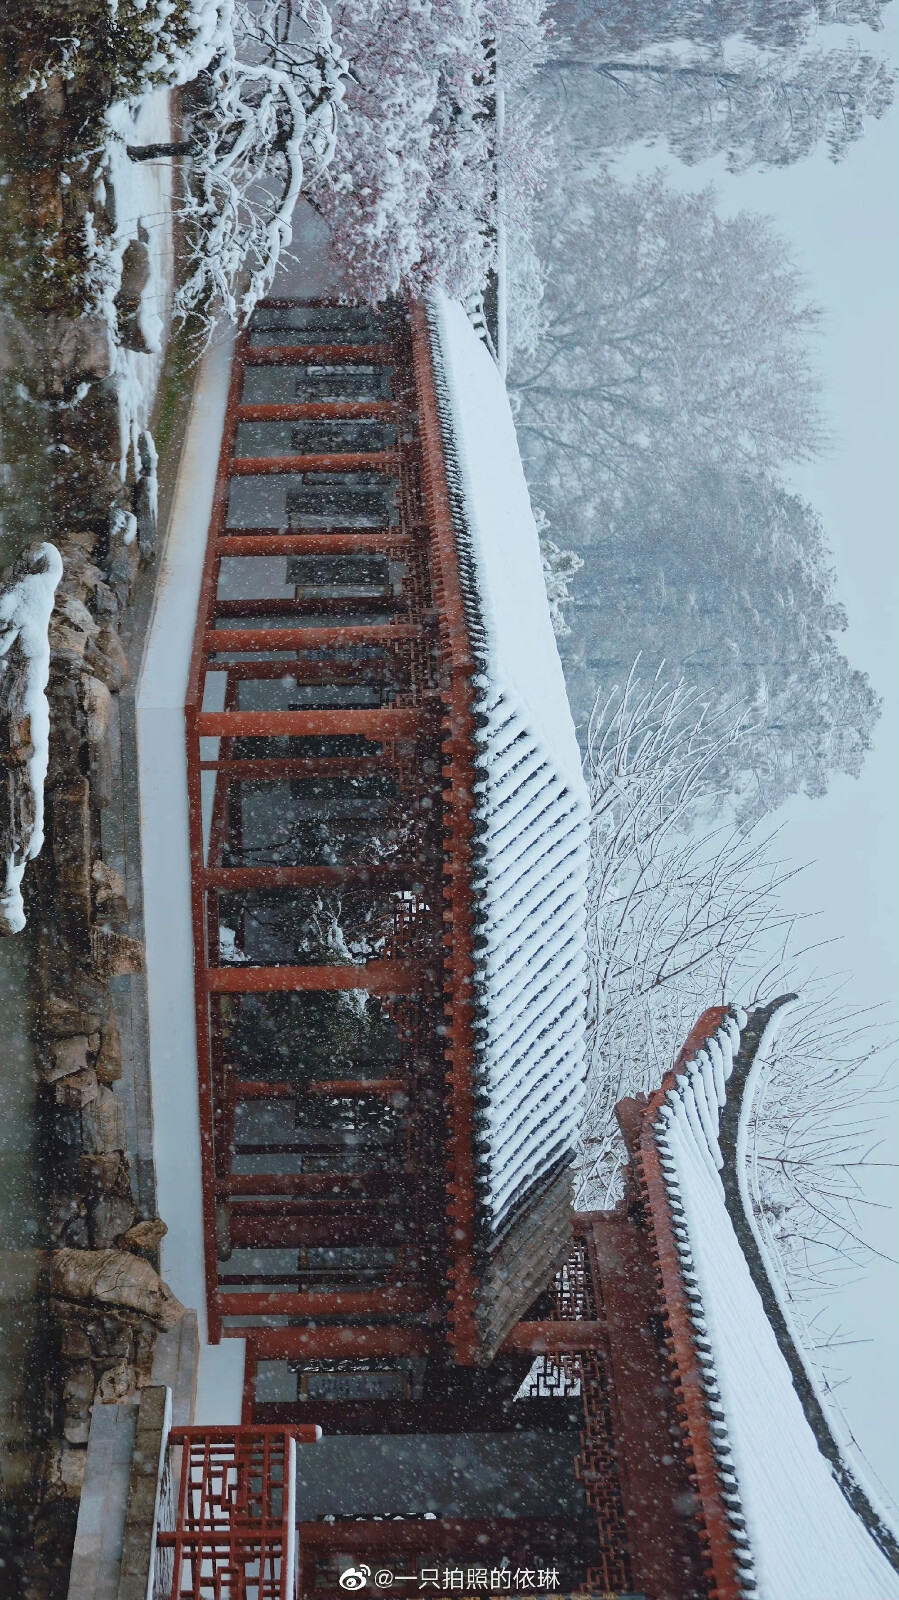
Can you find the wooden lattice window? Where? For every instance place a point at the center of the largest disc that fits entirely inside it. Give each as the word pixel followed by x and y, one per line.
pixel 234 1536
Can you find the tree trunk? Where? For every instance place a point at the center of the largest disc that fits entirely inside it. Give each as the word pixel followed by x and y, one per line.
pixel 154 152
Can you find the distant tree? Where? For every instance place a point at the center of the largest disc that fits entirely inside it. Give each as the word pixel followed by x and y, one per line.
pixel 411 195
pixel 764 107
pixel 676 921
pixel 671 334
pixel 679 920
pixel 813 1134
pixel 728 579
pixel 581 27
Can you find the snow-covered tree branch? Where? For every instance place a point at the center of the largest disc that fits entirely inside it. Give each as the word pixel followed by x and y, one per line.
pixel 674 920
pixel 679 919
pixel 261 121
pixel 416 142
pixel 814 1137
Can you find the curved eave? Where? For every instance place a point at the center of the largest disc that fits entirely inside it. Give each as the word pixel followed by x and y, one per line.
pixel 780 1512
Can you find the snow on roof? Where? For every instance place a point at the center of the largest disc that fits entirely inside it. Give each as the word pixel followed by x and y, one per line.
pixel 531 802
pixel 798 1536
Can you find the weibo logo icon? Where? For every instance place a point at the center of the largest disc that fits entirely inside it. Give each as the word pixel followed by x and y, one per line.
pixel 354 1577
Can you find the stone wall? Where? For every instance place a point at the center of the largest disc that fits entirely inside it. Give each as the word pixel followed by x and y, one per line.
pixel 105 1296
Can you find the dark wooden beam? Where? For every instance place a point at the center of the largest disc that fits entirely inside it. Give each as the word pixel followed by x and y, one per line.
pixel 384 461
pixel 541 1338
pixel 434 1416
pixel 318 355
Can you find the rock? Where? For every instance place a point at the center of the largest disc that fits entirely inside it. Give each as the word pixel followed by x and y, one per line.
pixel 144 1343
pixel 70 838
pixel 145 493
pixel 108 884
pixel 135 272
pixel 110 1216
pixel 77 1399
pixel 135 277
pixel 124 564
pixel 66 1135
pixel 80 575
pixel 107 659
pixel 110 1340
pixel 144 1236
pixel 103 1129
pixel 107 1172
pixel 108 1065
pixel 80 1090
pixel 65 1471
pixel 71 629
pixel 68 1226
pixel 110 898
pixel 93 428
pixel 67 1056
pixel 73 611
pixel 76 1345
pixel 117 1383
pixel 75 1004
pixel 115 1278
pixel 105 602
pixel 75 352
pixel 66 725
pixel 115 955
pixel 96 702
pixel 67 646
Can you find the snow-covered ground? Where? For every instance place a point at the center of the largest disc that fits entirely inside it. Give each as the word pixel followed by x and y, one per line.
pixel 161 694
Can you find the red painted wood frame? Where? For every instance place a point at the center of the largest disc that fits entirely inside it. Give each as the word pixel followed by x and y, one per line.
pixel 235 1517
pixel 390 723
pixel 459 780
pixel 637 1118
pixel 477 1541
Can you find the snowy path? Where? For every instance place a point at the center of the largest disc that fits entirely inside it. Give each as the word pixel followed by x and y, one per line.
pixel 166 871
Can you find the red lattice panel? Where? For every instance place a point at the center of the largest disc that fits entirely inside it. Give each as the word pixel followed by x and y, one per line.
pixel 235 1523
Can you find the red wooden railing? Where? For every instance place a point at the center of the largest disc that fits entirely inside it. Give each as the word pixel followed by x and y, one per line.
pixel 234 1533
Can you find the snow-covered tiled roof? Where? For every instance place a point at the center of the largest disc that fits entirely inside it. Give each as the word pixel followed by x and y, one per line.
pixel 796 1534
pixel 532 812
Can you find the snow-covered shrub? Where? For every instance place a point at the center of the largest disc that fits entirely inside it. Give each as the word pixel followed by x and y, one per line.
pixel 119 50
pixel 26 603
pixel 559 566
pixel 411 195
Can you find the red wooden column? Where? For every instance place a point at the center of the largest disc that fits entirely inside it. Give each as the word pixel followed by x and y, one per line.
pixel 385 722
pixel 636 1120
pixel 458 777
pixel 376 977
